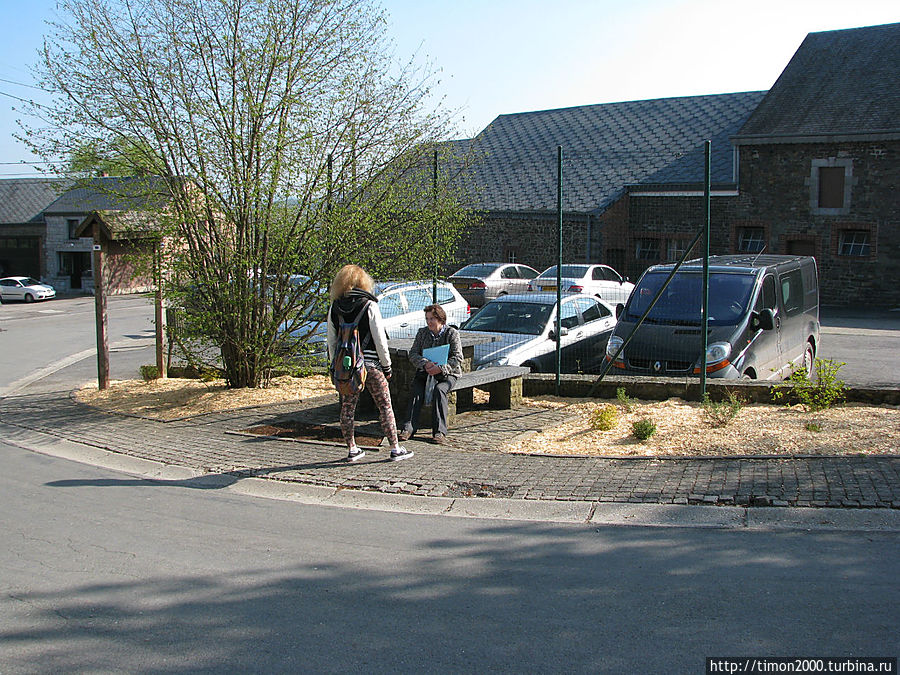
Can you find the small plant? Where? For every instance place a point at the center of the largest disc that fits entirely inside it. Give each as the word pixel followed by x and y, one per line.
pixel 813 426
pixel 818 393
pixel 720 413
pixel 643 428
pixel 149 373
pixel 604 418
pixel 624 399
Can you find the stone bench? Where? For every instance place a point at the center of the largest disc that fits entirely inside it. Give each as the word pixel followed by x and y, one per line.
pixel 504 385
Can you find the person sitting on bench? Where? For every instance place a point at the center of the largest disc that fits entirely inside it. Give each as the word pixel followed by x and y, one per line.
pixel 433 378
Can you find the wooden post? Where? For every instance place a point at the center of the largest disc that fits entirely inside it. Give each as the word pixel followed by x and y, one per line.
pixel 100 311
pixel 160 313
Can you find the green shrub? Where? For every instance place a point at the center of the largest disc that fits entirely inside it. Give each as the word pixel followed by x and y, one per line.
pixel 817 393
pixel 720 413
pixel 624 399
pixel 149 373
pixel 813 426
pixel 643 428
pixel 604 418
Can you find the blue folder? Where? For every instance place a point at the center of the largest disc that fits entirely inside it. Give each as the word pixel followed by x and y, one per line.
pixel 437 355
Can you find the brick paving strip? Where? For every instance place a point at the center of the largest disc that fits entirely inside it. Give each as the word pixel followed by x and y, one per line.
pixel 210 444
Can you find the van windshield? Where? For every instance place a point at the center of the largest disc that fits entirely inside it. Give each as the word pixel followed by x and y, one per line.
pixel 680 303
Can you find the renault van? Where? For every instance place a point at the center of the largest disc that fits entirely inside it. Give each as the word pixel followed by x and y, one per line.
pixel 763 319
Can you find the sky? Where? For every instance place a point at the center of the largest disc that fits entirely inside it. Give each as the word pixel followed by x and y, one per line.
pixel 507 56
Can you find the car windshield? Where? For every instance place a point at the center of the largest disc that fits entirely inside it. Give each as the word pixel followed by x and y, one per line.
pixel 479 270
pixel 568 271
pixel 30 282
pixel 680 303
pixel 521 318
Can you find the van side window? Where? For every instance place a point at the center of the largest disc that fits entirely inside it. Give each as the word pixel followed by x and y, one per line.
pixel 792 292
pixel 767 297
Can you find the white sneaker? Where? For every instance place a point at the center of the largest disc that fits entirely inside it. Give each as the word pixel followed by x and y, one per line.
pixel 401 453
pixel 355 454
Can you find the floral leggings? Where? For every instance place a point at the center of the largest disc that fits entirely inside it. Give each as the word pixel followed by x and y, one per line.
pixel 377 385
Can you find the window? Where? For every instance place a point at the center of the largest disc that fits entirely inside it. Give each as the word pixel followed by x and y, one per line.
pixel 647 249
pixel 569 316
pixel 526 273
pixel 829 186
pixel 751 239
pixel 592 310
pixel 417 299
pixel 792 292
pixel 445 295
pixel 675 249
pixel 854 243
pixel 390 305
pixel 72 225
pixel 766 299
pixel 511 272
pixel 512 255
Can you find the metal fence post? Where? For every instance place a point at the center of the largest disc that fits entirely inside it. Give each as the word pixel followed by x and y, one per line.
pixel 559 259
pixel 704 322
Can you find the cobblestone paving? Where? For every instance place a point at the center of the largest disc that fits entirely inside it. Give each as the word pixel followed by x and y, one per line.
pixel 473 468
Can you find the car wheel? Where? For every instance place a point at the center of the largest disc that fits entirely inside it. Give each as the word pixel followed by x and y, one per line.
pixel 748 375
pixel 29 297
pixel 809 360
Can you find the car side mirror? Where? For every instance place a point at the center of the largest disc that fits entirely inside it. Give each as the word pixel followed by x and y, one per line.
pixel 764 319
pixel 619 309
pixel 563 331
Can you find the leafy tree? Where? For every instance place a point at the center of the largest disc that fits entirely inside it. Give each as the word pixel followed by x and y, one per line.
pixel 287 139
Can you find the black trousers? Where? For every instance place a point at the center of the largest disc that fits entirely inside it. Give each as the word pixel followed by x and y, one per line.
pixel 440 403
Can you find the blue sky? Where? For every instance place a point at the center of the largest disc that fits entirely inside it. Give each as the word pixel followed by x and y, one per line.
pixel 505 56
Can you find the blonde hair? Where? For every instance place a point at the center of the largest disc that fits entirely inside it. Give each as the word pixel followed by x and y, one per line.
pixel 348 278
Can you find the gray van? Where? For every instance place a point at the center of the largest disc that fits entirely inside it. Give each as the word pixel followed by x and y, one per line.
pixel 763 319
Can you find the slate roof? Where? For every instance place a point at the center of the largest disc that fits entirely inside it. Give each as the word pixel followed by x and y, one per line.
pixel 605 148
pixel 838 83
pixel 23 200
pixel 110 193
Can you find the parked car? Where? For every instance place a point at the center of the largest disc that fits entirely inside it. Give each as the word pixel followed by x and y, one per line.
pixel 763 319
pixel 26 289
pixel 402 306
pixel 600 280
pixel 524 328
pixel 481 282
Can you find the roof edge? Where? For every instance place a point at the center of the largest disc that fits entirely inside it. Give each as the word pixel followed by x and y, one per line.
pixel 843 137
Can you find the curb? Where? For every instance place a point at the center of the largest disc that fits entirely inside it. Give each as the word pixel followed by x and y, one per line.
pixel 619 514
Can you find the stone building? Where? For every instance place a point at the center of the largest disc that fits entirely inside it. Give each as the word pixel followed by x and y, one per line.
pixel 46 228
pixel 810 167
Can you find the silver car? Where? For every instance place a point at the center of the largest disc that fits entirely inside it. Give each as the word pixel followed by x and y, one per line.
pixel 601 281
pixel 26 289
pixel 482 282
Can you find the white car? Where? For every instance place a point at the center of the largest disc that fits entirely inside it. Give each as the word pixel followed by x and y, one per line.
pixel 26 289
pixel 402 305
pixel 524 332
pixel 601 281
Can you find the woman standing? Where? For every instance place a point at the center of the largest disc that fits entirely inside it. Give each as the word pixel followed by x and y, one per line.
pixel 351 291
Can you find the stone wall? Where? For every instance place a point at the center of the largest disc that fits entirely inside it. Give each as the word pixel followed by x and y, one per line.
pixel 776 185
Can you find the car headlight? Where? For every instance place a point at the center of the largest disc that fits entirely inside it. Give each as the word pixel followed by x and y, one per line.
pixel 717 352
pixel 612 346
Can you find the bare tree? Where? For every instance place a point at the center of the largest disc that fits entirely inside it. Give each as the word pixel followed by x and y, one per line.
pixel 287 136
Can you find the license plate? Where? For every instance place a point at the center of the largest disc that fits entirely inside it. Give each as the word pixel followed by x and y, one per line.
pixel 548 288
pixel 461 287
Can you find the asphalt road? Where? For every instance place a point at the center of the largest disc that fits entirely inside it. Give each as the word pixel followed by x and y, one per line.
pixel 104 572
